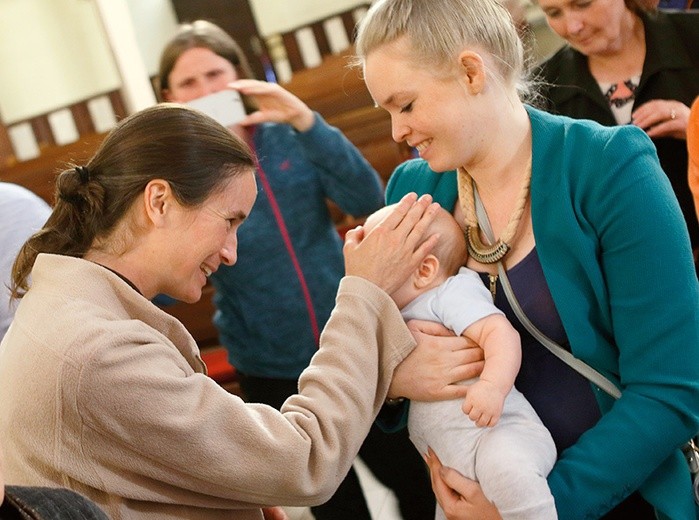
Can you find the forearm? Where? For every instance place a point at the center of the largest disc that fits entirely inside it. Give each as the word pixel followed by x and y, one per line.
pixel 502 351
pixel 347 177
pixel 315 438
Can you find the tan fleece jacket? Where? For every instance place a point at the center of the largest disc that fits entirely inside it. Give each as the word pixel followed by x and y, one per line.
pixel 104 393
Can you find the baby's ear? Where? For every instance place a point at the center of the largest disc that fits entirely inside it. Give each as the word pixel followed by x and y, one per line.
pixel 426 272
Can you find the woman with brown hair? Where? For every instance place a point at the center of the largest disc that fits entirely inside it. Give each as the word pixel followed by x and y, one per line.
pixel 106 394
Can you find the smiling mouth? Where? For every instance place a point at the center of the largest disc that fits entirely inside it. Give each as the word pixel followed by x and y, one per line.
pixel 420 147
pixel 206 270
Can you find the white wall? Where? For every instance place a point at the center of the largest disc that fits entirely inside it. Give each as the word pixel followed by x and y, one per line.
pixel 154 23
pixel 52 54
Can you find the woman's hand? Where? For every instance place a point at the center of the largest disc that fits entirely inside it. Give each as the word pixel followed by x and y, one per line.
pixel 459 497
pixel 275 103
pixel 439 361
pixel 394 248
pixel 662 118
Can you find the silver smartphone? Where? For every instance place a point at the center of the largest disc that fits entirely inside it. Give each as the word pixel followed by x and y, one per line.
pixel 225 106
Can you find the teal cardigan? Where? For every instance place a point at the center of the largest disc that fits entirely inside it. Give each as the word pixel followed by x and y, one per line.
pixel 615 253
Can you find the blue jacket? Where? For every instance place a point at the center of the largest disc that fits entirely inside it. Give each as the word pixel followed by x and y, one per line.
pixel 615 253
pixel 271 305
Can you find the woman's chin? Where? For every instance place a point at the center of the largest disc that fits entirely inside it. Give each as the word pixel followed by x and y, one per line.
pixel 191 295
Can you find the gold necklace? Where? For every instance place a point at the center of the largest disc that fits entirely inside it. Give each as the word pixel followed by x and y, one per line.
pixel 489 254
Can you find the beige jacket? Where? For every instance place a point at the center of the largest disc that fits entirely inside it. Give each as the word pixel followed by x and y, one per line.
pixel 104 393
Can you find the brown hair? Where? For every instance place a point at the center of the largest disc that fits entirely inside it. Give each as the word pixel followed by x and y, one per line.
pixel 203 34
pixel 182 146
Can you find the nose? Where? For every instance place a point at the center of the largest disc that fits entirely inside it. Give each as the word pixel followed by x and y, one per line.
pixel 573 23
pixel 399 130
pixel 229 251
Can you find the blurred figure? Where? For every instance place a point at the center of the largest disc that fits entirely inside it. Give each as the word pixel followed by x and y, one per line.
pixel 693 151
pixel 22 214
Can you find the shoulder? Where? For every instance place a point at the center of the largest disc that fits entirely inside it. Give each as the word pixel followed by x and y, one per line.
pixel 584 155
pixel 559 59
pixel 415 175
pixel 412 175
pixel 560 134
pixel 672 38
pixel 685 22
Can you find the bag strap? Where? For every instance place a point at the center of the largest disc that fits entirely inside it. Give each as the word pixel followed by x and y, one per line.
pixel 567 357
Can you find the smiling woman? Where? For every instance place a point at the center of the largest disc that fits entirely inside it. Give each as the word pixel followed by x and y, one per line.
pixel 128 203
pixel 576 211
pixel 113 390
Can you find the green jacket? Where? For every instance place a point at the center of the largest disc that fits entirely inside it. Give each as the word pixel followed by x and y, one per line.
pixel 615 253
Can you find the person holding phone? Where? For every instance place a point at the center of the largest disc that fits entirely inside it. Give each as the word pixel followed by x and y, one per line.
pixel 272 305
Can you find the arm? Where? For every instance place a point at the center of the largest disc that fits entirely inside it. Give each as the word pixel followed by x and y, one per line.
pixel 431 372
pixel 693 151
pixel 346 176
pixel 626 317
pixel 503 355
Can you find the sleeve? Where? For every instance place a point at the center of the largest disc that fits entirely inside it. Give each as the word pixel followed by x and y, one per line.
pixel 347 177
pixel 177 436
pixel 457 303
pixel 644 309
pixel 464 301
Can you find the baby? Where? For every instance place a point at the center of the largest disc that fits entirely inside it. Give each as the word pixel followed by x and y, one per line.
pixel 494 436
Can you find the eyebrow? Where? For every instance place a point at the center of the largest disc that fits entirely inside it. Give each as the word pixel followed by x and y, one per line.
pixel 389 100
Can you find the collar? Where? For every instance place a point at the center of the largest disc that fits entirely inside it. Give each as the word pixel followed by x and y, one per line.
pixel 128 282
pixel 665 42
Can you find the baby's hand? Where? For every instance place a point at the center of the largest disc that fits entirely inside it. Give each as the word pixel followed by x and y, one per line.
pixel 483 403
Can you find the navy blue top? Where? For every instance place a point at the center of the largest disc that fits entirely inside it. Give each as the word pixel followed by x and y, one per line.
pixel 552 387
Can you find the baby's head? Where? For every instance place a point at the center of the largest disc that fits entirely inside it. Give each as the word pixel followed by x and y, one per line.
pixel 445 259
